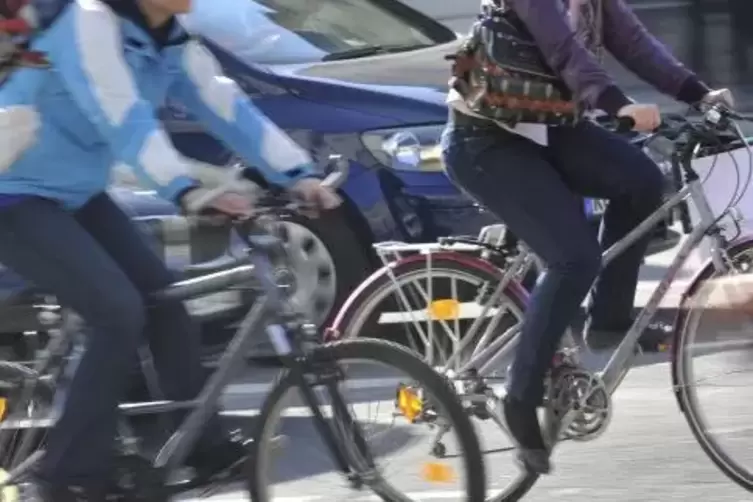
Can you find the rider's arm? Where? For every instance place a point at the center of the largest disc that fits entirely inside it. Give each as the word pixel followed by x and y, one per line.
pixel 630 42
pixel 85 48
pixel 546 20
pixel 231 117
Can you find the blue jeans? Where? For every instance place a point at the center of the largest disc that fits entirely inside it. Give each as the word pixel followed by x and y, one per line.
pixel 537 192
pixel 98 264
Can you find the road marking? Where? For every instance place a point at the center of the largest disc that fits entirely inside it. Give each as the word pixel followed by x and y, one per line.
pixel 729 430
pixel 418 495
pixel 384 413
pixel 467 310
pixel 354 384
pixel 472 310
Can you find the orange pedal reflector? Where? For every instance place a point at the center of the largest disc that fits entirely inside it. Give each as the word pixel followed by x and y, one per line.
pixel 3 408
pixel 444 310
pixel 438 473
pixel 409 402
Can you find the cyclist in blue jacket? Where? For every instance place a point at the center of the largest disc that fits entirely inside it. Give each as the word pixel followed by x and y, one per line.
pixel 62 130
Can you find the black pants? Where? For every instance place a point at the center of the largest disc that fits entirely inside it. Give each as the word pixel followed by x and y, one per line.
pixel 97 263
pixel 537 192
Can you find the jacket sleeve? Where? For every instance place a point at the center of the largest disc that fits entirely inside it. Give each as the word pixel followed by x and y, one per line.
pixel 85 48
pixel 546 20
pixel 228 114
pixel 632 44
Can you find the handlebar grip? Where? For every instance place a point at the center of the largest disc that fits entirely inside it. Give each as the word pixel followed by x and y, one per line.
pixel 625 124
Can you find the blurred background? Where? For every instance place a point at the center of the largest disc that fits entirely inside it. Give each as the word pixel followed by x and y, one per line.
pixel 714 37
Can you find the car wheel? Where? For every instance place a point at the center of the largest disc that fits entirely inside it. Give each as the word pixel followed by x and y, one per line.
pixel 314 274
pixel 327 260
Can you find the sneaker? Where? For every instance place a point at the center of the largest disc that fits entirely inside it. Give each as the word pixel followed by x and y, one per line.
pixel 222 462
pixel 655 338
pixel 524 427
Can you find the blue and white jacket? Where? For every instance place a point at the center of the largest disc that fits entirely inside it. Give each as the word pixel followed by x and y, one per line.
pixel 63 129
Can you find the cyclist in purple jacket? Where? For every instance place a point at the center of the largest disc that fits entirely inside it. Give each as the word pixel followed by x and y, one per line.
pixel 533 178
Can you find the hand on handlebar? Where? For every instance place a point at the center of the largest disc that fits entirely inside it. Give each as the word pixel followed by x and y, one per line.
pixel 315 196
pixel 645 118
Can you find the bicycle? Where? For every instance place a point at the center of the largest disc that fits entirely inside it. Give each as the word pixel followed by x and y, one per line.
pixel 578 403
pixel 394 294
pixel 317 371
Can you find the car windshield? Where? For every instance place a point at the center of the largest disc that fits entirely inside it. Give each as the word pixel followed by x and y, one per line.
pixel 300 31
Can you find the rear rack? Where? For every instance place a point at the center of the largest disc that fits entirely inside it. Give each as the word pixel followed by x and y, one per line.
pixel 489 244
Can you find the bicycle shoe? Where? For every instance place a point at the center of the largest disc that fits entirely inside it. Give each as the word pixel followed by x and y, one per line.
pixel 655 338
pixel 524 427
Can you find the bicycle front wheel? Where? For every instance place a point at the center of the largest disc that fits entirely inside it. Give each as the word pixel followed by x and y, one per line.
pixel 713 375
pixel 409 402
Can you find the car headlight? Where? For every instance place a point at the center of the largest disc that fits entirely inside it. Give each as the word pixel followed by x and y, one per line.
pixel 407 149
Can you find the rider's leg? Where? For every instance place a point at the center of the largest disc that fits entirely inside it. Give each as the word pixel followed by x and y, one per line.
pixel 173 337
pixel 45 244
pixel 513 178
pixel 598 163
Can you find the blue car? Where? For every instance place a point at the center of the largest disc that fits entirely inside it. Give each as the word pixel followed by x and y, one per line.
pixel 362 78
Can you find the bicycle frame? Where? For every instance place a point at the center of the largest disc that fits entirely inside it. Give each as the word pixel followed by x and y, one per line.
pixel 617 366
pixel 620 361
pixel 289 336
pixel 287 345
pixel 485 358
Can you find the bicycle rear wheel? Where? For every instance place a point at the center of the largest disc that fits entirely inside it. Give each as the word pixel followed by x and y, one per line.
pixel 430 306
pixel 712 370
pixel 427 403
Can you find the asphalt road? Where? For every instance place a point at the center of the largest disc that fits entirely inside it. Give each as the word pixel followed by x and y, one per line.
pixel 647 453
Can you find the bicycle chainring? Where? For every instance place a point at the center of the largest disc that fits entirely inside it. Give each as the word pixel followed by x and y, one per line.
pixel 582 400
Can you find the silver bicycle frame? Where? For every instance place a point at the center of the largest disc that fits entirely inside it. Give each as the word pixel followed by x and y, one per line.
pixel 485 358
pixel 619 363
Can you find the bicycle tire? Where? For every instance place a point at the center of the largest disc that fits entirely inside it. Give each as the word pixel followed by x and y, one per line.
pixel 388 354
pixel 684 390
pixel 452 262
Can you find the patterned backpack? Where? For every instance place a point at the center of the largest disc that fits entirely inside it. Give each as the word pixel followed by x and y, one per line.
pixel 501 73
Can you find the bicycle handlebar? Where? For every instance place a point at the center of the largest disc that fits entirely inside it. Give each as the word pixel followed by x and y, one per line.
pixel 337 176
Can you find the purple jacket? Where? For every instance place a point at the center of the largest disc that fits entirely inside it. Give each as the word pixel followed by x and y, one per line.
pixel 573 50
